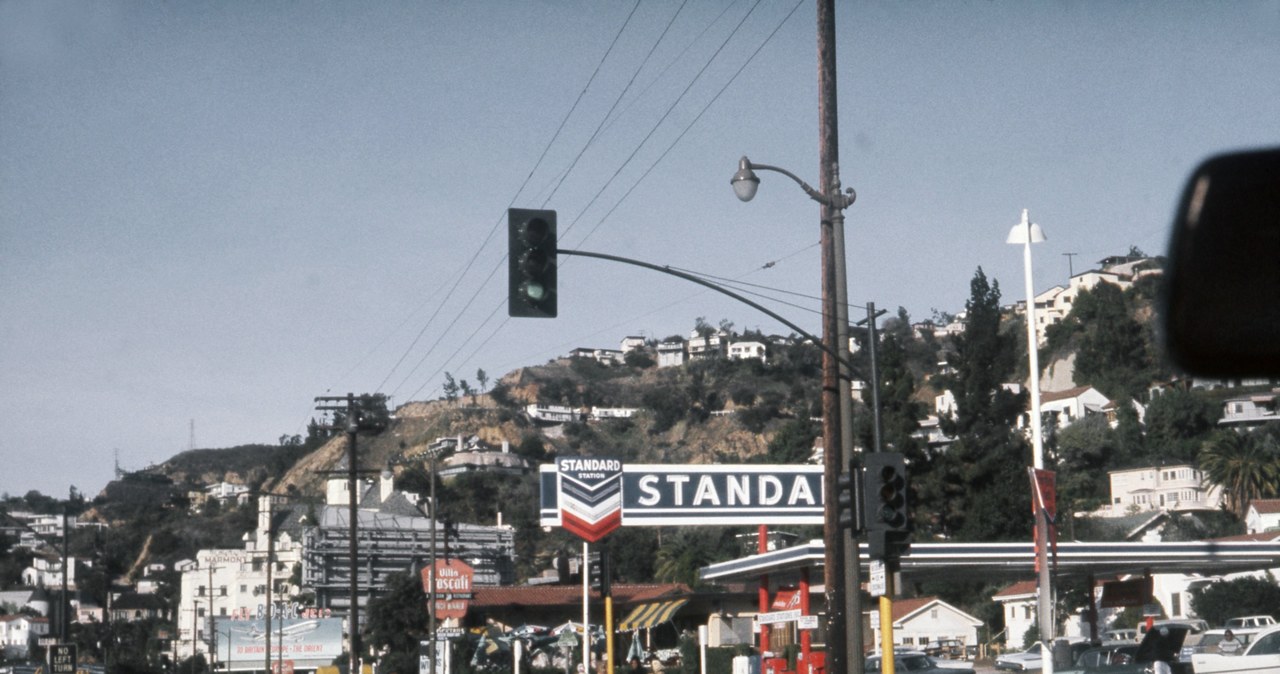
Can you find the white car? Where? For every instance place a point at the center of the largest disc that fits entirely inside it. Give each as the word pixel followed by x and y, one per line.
pixel 1261 656
pixel 1250 621
pixel 1021 661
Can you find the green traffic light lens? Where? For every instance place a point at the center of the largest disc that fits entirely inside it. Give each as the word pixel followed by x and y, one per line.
pixel 534 292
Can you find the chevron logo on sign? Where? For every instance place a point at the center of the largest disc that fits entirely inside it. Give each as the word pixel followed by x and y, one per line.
pixel 590 495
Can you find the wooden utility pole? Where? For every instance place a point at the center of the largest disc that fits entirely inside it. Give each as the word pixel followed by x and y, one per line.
pixel 841 558
pixel 352 427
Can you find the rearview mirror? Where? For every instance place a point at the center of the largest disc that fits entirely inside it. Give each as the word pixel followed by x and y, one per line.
pixel 1222 286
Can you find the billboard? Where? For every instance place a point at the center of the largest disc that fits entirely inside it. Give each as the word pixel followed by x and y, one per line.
pixel 306 643
pixel 665 495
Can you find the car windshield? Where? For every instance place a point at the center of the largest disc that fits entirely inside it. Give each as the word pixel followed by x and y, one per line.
pixel 913 663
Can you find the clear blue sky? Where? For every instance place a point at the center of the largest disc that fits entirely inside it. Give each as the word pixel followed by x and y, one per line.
pixel 211 212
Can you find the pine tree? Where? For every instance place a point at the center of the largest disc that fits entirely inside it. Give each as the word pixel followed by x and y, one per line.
pixel 979 488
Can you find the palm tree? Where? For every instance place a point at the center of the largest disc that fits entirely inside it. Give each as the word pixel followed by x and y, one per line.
pixel 1247 467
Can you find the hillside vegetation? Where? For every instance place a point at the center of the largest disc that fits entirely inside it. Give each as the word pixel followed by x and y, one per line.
pixel 744 411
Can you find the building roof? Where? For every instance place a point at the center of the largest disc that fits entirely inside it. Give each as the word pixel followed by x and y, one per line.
pixel 903 609
pixel 1021 588
pixel 1266 506
pixel 1261 537
pixel 571 595
pixel 1050 396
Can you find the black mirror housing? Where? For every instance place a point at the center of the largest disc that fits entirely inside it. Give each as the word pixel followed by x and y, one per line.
pixel 1221 295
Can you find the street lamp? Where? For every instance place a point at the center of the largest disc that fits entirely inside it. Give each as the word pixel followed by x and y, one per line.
pixel 840 579
pixel 1026 233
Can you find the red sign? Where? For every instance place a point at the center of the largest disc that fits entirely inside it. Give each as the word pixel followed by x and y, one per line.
pixel 282 667
pixel 1116 593
pixel 452 581
pixel 1044 492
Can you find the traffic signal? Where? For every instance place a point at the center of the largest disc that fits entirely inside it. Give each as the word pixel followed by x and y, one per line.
pixel 885 492
pixel 531 263
pixel 849 500
pixel 601 573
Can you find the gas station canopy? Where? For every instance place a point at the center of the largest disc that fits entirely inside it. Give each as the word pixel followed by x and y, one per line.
pixel 1016 561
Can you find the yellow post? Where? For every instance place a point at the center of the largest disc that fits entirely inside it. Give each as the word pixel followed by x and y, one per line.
pixel 608 633
pixel 886 625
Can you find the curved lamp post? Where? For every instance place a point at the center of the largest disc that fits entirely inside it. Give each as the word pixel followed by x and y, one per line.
pixel 837 417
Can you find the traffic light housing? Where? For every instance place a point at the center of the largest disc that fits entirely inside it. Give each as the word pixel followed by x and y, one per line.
pixel 885 492
pixel 849 499
pixel 600 573
pixel 531 263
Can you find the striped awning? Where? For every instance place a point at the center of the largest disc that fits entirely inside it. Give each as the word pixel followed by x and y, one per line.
pixel 645 616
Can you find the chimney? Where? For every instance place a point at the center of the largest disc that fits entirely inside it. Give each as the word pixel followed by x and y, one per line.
pixel 387 485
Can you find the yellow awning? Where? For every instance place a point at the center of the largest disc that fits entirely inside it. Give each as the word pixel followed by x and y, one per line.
pixel 645 616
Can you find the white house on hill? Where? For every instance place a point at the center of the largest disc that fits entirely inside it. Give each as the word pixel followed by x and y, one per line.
pixel 1177 488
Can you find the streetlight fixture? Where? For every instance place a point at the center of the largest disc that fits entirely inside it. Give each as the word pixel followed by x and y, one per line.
pixel 841 556
pixel 1026 233
pixel 745 183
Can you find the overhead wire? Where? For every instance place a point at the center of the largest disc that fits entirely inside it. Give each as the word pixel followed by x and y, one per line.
pixel 590 141
pixel 654 128
pixel 616 100
pixel 685 131
pixel 470 262
pixel 696 118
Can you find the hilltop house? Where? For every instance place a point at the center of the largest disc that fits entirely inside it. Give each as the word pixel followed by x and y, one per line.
pixel 1263 516
pixel 1252 411
pixel 1176 488
pixel 473 455
pixel 746 350
pixel 671 352
pixel 1071 405
pixel 19 633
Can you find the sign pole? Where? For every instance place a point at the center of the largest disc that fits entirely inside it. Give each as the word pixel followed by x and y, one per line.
pixel 586 624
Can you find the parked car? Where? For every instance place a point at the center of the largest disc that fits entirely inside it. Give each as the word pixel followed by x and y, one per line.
pixel 1129 635
pixel 1160 644
pixel 1195 625
pixel 1021 661
pixel 917 662
pixel 1209 641
pixel 1115 657
pixel 1261 656
pixel 1250 621
pixel 1030 659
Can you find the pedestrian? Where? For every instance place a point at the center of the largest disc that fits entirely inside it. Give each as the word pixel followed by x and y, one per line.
pixel 634 666
pixel 1229 645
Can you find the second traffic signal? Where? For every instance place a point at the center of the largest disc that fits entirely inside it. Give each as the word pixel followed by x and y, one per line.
pixel 531 263
pixel 885 492
pixel 849 499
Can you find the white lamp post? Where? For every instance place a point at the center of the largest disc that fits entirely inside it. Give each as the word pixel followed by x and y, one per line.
pixel 1027 233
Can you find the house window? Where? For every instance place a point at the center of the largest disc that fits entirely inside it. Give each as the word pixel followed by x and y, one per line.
pixel 200 612
pixel 933 614
pixel 257 565
pixel 243 588
pixel 1026 612
pixel 222 611
pixel 200 591
pixel 1176 608
pixel 223 590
